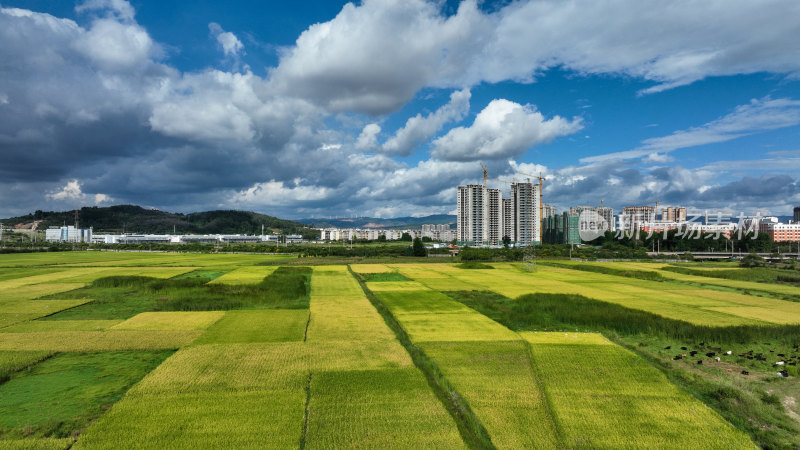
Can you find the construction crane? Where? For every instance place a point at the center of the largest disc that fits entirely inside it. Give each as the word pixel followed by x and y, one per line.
pixel 485 174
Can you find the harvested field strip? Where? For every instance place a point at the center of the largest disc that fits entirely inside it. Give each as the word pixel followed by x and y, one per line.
pixel 245 275
pixel 173 320
pixel 90 341
pixel 624 402
pixel 278 325
pixel 390 408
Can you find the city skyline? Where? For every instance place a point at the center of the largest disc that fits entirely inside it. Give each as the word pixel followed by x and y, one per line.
pixel 382 108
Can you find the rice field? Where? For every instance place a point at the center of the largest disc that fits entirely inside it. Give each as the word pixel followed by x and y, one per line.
pixel 726 283
pixel 624 402
pixel 245 275
pixel 318 366
pixel 676 301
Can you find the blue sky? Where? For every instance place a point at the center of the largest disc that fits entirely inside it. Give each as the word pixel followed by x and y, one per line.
pixel 381 108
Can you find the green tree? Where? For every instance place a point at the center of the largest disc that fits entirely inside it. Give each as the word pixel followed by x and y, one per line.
pixel 418 249
pixel 405 237
pixel 752 260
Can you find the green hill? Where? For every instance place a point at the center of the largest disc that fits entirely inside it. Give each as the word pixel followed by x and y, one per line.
pixel 135 219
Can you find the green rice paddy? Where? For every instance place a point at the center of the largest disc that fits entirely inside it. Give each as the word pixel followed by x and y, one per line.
pixel 150 350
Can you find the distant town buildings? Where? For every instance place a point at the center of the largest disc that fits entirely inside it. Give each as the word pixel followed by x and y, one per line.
pixel 441 233
pixel 132 238
pixel 780 232
pixel 597 218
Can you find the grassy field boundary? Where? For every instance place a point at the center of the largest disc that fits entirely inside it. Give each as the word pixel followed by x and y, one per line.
pixel 629 273
pixel 304 433
pixel 472 430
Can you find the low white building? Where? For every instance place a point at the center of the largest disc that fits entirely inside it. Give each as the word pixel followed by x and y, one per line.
pixel 68 234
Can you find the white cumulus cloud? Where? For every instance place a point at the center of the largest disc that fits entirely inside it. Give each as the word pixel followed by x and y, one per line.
pixel 368 139
pixel 419 129
pixel 231 45
pixel 504 129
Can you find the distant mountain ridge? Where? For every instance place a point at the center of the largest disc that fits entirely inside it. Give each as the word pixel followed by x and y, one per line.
pixel 395 223
pixel 135 219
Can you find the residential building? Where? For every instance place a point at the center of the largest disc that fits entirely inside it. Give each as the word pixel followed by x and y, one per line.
pixel 600 217
pixel 508 219
pixel 548 210
pixel 635 217
pixel 479 219
pixel 494 217
pixel 673 214
pixel 562 229
pixel 526 200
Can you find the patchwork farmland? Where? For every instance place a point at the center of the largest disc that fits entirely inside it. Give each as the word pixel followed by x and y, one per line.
pixel 124 350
